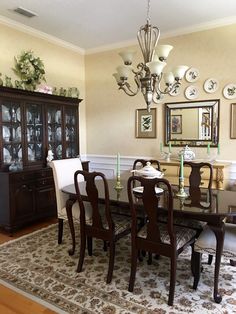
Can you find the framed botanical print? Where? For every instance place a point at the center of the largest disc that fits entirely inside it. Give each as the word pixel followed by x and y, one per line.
pixel 145 123
pixel 233 121
pixel 176 124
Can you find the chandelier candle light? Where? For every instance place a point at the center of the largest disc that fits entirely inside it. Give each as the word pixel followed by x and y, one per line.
pixel 149 73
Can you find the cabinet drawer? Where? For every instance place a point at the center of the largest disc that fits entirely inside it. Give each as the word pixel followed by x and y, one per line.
pixel 44 182
pixel 21 177
pixel 43 173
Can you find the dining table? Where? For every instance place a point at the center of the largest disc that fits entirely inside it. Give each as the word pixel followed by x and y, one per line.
pixel 211 206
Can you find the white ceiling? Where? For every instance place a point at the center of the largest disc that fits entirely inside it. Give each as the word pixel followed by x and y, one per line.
pixel 90 24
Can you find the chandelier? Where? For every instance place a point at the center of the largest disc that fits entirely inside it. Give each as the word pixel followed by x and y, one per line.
pixel 149 74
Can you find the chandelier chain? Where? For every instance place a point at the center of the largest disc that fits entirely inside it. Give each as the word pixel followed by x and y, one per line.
pixel 148 12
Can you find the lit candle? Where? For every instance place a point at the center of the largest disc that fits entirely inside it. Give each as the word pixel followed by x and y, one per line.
pixel 118 165
pixel 161 147
pixel 218 149
pixel 169 147
pixel 208 148
pixel 181 166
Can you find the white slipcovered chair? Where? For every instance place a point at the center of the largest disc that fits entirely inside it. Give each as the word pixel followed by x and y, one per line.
pixel 63 174
pixel 206 243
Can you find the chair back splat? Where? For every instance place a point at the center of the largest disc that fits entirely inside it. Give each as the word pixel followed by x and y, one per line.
pixel 196 173
pixel 103 224
pixel 162 238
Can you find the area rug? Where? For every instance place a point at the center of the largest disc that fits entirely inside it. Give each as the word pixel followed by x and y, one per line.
pixel 36 264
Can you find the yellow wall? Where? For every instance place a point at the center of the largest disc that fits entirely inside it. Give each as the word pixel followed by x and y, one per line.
pixel 107 117
pixel 63 67
pixel 111 113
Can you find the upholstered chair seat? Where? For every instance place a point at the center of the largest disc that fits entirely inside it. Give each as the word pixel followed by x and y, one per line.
pixel 63 175
pixel 206 242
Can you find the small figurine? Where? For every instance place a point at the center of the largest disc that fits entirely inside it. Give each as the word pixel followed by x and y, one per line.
pixel 50 156
pixel 8 81
pixel 62 92
pixel 18 84
pixel 54 91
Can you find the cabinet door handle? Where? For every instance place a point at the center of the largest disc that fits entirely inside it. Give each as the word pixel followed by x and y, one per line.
pixel 163 169
pixel 25 187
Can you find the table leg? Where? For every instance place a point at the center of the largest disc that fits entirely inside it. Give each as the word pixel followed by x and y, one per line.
pixel 219 232
pixel 69 204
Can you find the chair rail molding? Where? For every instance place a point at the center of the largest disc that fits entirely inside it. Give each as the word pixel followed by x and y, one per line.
pixel 107 165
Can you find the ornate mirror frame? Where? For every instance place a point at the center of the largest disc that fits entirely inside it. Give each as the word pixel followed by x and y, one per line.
pixel 181 117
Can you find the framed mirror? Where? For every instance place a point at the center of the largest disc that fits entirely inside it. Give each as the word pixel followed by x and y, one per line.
pixel 193 123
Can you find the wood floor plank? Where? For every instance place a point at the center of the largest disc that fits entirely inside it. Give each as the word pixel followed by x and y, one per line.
pixel 12 302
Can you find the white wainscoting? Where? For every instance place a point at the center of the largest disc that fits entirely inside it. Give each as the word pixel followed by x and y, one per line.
pixel 107 165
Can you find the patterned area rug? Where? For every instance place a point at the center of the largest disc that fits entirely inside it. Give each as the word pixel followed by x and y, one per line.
pixel 37 265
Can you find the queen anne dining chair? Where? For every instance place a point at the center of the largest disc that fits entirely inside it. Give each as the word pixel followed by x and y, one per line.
pixel 156 237
pixel 104 224
pixel 206 243
pixel 63 174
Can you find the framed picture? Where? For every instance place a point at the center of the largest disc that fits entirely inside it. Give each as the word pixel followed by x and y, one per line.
pixel 233 121
pixel 146 123
pixel 176 124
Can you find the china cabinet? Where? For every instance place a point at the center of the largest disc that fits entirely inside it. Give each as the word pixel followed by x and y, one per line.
pixel 31 123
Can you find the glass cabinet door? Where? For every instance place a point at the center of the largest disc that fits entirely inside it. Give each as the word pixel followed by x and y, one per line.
pixel 34 132
pixel 71 139
pixel 11 132
pixel 54 123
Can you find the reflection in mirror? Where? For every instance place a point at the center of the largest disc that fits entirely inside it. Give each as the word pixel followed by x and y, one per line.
pixel 193 123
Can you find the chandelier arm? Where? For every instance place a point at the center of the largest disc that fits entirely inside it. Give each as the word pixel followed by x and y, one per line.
pixel 127 88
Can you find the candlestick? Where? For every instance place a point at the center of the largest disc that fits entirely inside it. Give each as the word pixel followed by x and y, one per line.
pixel 161 147
pixel 208 148
pixel 181 192
pixel 118 165
pixel 218 149
pixel 181 166
pixel 169 147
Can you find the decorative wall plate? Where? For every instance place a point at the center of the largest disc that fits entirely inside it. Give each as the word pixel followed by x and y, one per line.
pixel 229 91
pixel 191 92
pixel 192 75
pixel 211 85
pixel 175 91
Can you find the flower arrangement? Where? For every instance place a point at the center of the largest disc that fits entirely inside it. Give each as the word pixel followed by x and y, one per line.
pixel 30 69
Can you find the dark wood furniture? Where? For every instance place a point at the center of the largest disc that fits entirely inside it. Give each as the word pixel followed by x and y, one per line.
pixel 155 237
pixel 195 177
pixel 30 124
pixel 223 205
pixel 103 224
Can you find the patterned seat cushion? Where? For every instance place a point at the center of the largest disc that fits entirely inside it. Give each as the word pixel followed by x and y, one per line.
pixel 122 223
pixel 206 243
pixel 183 235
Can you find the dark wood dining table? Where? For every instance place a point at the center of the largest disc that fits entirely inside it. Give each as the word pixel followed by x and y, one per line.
pixel 210 206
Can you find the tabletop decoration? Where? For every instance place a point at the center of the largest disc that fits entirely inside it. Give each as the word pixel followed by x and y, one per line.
pixel 181 192
pixel 187 153
pixel 118 185
pixel 30 69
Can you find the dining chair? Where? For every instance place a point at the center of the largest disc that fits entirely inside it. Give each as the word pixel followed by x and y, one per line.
pixel 206 243
pixel 104 224
pixel 63 174
pixel 156 237
pixel 197 169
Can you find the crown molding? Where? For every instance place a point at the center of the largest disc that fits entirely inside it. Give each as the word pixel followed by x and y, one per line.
pixel 178 32
pixel 31 31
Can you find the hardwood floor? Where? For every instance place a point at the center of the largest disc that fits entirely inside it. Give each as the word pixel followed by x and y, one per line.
pixel 21 304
